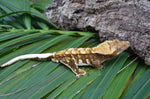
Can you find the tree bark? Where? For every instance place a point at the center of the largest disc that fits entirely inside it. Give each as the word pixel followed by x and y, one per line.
pixel 123 19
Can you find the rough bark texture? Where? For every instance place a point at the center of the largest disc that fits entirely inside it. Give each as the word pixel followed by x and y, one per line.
pixel 122 19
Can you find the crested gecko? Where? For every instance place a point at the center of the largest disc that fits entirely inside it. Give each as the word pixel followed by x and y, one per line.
pixel 74 57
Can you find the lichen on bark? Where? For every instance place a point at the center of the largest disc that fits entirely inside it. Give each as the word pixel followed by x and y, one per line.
pixel 123 19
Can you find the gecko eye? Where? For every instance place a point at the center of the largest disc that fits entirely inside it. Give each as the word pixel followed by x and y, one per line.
pixel 119 48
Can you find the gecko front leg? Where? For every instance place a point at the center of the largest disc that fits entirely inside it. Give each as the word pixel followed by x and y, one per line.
pixel 72 65
pixel 97 64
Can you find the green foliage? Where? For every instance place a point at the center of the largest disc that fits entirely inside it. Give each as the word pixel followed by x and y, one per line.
pixel 24 29
pixel 20 14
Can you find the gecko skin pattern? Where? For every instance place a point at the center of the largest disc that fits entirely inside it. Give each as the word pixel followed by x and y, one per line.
pixel 75 57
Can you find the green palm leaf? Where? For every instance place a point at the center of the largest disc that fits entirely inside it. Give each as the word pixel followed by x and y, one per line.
pixel 26 30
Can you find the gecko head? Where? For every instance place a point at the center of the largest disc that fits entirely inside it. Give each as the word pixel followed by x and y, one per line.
pixel 112 47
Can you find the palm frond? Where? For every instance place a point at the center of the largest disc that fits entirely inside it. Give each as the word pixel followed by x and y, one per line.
pixel 34 79
pixel 20 15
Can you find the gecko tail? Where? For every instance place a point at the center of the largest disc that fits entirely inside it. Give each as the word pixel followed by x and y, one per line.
pixel 28 56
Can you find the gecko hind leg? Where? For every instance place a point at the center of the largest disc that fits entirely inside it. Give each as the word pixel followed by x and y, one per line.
pixel 71 64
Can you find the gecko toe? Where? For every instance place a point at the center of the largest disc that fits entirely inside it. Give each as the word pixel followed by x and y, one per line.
pixel 87 74
pixel 99 69
pixel 103 68
pixel 87 70
pixel 77 77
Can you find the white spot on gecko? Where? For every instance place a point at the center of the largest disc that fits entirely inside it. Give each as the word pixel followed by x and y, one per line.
pixel 73 52
pixel 83 52
pixel 87 61
pixel 66 52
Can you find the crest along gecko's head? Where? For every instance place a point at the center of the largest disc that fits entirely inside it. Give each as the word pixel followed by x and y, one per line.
pixel 114 47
